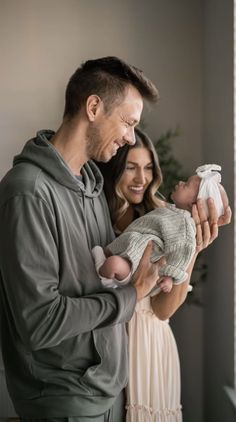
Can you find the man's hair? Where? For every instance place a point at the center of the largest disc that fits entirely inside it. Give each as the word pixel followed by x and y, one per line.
pixel 107 77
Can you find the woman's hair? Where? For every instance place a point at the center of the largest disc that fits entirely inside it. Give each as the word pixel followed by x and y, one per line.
pixel 114 169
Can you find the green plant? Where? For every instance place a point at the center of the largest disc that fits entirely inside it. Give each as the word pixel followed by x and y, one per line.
pixel 172 170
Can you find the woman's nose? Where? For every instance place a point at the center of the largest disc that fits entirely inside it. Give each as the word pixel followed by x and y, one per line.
pixel 140 177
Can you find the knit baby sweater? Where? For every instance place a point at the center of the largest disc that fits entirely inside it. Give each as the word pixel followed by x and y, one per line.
pixel 174 234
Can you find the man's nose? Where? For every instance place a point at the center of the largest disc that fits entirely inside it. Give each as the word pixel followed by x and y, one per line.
pixel 130 136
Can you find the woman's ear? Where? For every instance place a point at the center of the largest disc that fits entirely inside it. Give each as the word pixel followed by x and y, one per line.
pixel 94 105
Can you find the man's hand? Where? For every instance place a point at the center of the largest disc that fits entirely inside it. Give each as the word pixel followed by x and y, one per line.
pixel 147 274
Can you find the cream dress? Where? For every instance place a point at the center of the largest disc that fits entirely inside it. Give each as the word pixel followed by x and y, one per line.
pixel 153 393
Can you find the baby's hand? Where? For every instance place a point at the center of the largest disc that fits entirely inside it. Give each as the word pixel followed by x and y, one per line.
pixel 166 284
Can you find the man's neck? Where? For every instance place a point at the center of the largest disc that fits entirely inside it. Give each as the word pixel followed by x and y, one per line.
pixel 70 141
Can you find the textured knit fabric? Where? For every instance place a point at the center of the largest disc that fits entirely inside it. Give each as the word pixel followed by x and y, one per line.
pixel 63 335
pixel 173 232
pixel 153 392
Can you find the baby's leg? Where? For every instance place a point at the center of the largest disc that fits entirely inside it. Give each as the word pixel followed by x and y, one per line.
pixel 115 267
pixel 166 284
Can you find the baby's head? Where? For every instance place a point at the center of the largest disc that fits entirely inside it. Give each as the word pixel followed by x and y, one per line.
pixel 205 184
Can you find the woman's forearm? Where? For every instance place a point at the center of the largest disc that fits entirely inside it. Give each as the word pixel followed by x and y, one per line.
pixel 164 305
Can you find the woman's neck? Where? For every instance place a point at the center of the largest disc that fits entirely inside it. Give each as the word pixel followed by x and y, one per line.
pixel 126 219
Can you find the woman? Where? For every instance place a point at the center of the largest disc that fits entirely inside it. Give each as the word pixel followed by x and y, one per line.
pixel 131 181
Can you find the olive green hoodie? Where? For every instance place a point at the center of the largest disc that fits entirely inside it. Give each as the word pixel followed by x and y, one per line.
pixel 63 335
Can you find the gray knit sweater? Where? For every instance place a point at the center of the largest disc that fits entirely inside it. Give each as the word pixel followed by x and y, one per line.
pixel 173 232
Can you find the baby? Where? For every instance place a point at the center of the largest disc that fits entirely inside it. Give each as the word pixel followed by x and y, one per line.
pixel 171 228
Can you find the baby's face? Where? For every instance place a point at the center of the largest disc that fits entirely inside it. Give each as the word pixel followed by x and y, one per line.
pixel 185 193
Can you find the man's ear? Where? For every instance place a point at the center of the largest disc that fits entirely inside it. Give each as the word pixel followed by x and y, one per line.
pixel 94 105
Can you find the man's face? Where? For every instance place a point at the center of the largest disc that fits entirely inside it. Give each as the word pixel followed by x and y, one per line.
pixel 110 131
pixel 185 193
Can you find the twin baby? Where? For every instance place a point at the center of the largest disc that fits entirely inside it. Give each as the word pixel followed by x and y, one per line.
pixel 171 228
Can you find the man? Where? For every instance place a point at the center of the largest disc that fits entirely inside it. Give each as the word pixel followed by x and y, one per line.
pixel 63 334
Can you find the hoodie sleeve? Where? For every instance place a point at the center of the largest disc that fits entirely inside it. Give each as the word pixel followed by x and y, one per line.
pixel 30 274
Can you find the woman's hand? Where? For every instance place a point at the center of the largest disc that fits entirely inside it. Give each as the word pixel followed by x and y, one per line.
pixel 207 228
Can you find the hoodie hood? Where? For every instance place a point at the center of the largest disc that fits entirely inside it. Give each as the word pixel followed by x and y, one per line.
pixel 41 152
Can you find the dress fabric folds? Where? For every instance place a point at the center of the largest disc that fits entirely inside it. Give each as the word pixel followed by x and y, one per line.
pixel 153 394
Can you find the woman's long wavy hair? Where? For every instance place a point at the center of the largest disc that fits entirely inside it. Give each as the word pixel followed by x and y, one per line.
pixel 114 169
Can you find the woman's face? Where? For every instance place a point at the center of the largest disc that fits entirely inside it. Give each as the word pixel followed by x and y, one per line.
pixel 137 175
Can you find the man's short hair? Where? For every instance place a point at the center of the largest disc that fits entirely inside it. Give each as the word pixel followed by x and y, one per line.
pixel 107 77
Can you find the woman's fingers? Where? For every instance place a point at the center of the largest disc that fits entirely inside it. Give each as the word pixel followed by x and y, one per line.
pixel 214 232
pixel 205 235
pixel 226 218
pixel 202 211
pixel 206 227
pixel 147 253
pixel 213 216
pixel 199 237
pixel 195 214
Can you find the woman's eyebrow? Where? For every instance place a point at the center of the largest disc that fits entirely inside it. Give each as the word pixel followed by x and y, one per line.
pixel 131 162
pixel 137 164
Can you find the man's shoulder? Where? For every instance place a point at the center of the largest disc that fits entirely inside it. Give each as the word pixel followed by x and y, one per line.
pixel 20 180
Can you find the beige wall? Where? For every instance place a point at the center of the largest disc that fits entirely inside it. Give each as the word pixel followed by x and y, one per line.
pixel 42 42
